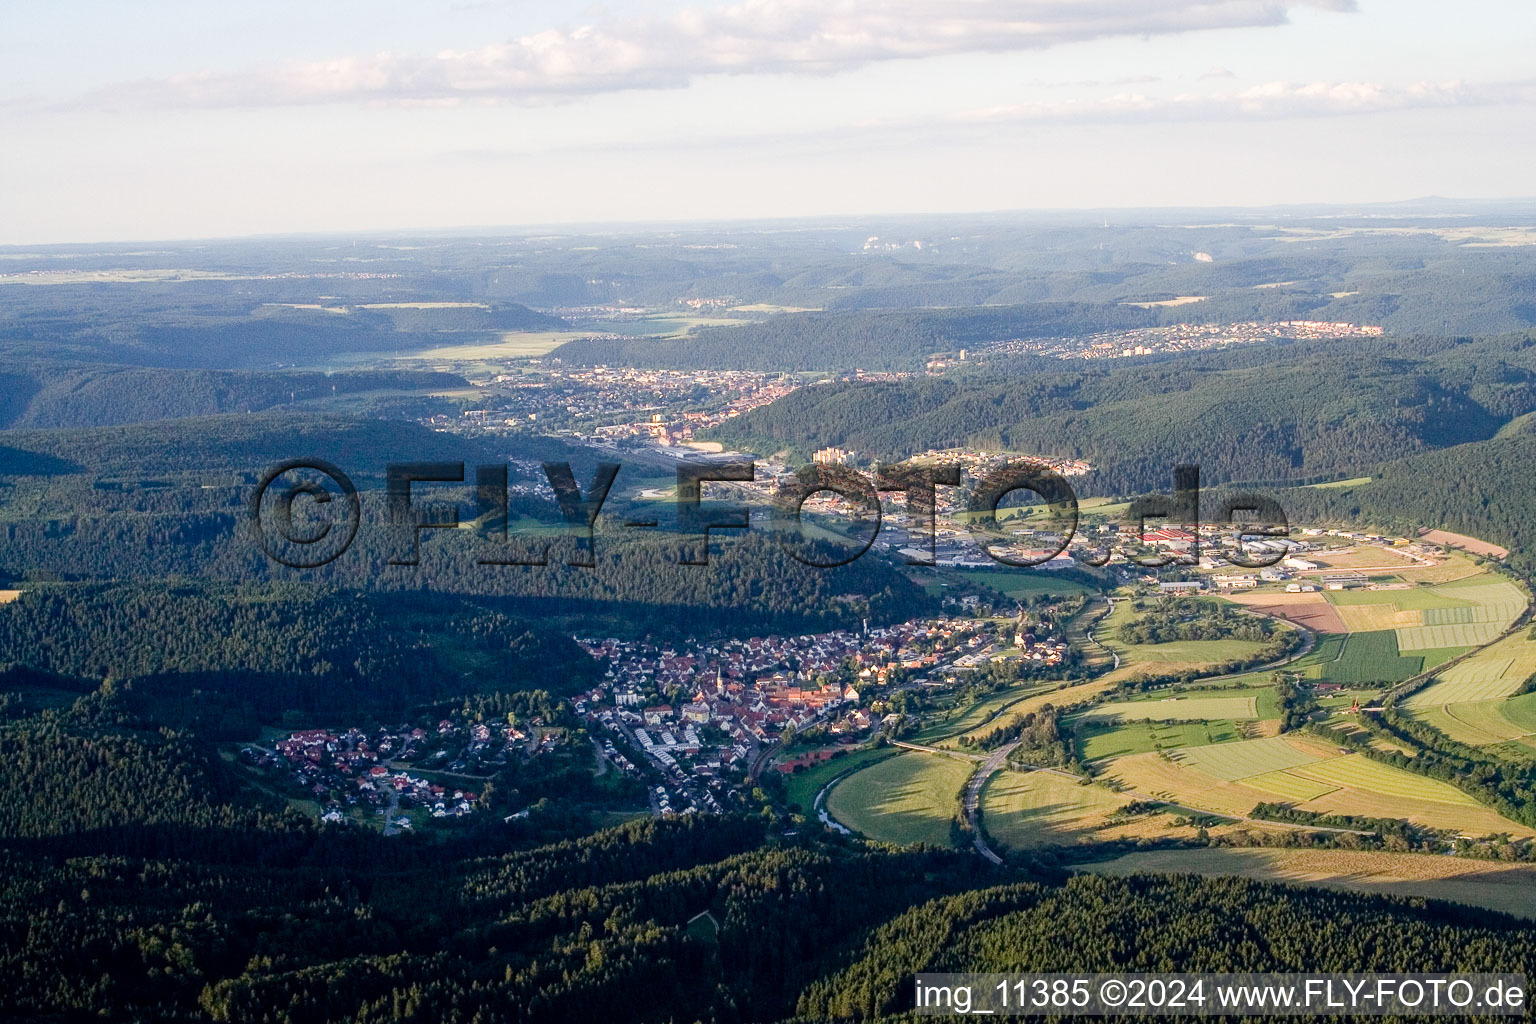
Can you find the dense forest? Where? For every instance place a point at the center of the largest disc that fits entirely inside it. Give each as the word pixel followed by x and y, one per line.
pixel 224 329
pixel 1262 413
pixel 146 501
pixel 36 394
pixel 219 660
pixel 841 341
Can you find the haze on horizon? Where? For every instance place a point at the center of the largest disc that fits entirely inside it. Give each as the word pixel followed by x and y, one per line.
pixel 180 120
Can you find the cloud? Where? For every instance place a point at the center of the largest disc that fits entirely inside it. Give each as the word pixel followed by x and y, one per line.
pixel 748 37
pixel 1267 101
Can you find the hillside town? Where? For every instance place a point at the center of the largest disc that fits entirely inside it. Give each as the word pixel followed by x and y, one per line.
pixel 704 712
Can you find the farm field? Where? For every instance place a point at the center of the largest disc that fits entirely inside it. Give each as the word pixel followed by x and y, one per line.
pixel 1489 674
pixel 1027 809
pixel 1495 603
pixel 1356 771
pixel 1186 709
pixel 1230 778
pixel 909 798
pixel 1484 723
pixel 1367 658
pixel 1154 775
pixel 1097 740
pixel 1233 761
pixel 1507 888
pixel 801 787
pixel 1310 611
pixel 1022 583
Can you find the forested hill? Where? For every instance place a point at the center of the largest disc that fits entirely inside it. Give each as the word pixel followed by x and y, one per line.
pixel 1260 413
pixel 1484 489
pixel 841 341
pixel 145 502
pixel 47 394
pixel 125 324
pixel 225 914
pixel 251 443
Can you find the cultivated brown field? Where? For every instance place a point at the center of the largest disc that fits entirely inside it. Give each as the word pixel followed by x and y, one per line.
pixel 1310 611
pixel 1461 540
pixel 1509 888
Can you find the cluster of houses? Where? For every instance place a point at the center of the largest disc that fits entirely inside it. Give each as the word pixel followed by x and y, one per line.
pixel 383 770
pixel 772 678
pixel 557 397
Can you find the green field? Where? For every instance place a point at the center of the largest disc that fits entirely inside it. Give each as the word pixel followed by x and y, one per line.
pixel 910 798
pixel 1184 708
pixel 1025 583
pixel 801 787
pixel 1026 809
pixel 1097 740
pixel 1413 598
pixel 1371 658
pixel 1170 656
pixel 1484 723
pixel 1232 761
pixel 1293 787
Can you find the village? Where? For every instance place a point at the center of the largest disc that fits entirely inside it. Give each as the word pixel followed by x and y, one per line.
pixel 704 714
pixel 397 777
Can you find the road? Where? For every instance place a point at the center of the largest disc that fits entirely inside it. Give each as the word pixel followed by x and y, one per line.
pixel 972 798
pixel 390 812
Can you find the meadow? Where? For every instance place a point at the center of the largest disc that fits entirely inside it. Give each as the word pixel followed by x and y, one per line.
pixel 952 721
pixel 1158 659
pixel 1028 809
pixel 1492 673
pixel 909 798
pixel 1209 705
pixel 801 787
pixel 1097 739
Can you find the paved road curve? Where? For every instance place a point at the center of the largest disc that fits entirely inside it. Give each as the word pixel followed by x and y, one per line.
pixel 973 797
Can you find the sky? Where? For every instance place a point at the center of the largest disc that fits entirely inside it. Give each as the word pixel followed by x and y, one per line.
pixel 177 119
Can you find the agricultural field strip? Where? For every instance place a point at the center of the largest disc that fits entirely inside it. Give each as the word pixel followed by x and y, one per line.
pixel 1356 771
pixel 1263 764
pixel 1231 762
pixel 1175 709
pixel 1489 674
